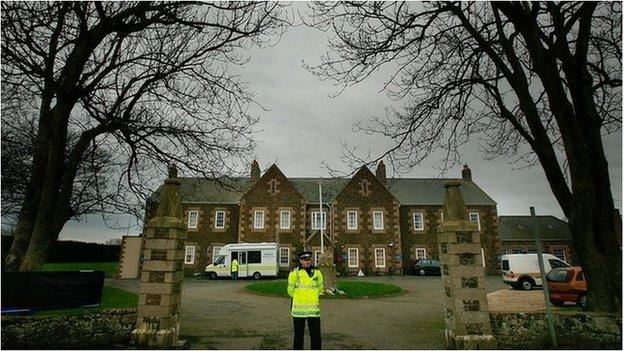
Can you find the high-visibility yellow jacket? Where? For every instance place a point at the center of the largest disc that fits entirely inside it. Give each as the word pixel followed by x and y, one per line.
pixel 234 266
pixel 305 291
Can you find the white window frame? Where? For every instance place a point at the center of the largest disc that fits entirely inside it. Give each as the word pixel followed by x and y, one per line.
pixel 282 226
pixel 314 218
pixel 190 224
pixel 383 257
pixel 215 252
pixel 564 259
pixel 478 219
pixel 423 250
pixel 317 257
pixel 287 256
pixel 355 220
pixel 349 257
pixel 422 221
pixel 375 227
pixel 256 213
pixel 217 220
pixel 189 250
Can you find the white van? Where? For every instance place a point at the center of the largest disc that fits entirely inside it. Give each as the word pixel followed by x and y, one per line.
pixel 521 271
pixel 255 260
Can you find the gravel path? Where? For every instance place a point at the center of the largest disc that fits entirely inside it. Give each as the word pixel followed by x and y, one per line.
pixel 221 315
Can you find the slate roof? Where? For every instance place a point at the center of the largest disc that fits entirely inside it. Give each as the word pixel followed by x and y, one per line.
pixel 521 228
pixel 409 191
pixel 430 191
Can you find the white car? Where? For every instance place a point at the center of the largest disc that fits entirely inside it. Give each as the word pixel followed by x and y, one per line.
pixel 521 271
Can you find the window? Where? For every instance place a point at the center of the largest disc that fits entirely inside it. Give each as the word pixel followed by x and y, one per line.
pixel 215 252
pixel 474 218
pixel 421 253
pixel 532 251
pixel 560 254
pixel 220 219
pixel 285 220
pixel 557 264
pixel 380 257
pixel 189 255
pixel 318 220
pixel 378 220
pixel 505 265
pixel 517 251
pixel 284 257
pixel 219 260
pixel 352 220
pixel 352 256
pixel 419 223
pixel 253 257
pixel 258 219
pixel 317 257
pixel 192 219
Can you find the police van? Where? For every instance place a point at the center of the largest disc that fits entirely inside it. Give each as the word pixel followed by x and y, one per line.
pixel 255 260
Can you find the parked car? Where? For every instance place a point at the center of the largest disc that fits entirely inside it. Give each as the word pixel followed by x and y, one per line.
pixel 567 285
pixel 521 271
pixel 426 267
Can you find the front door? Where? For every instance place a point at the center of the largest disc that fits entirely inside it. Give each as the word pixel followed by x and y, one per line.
pixel 242 264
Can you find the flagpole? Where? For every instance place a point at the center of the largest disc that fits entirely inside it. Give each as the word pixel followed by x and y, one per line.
pixel 321 215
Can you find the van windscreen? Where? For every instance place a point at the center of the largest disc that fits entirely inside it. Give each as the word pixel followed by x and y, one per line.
pixel 505 265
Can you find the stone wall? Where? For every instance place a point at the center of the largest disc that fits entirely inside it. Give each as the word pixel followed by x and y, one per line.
pixel 273 193
pixel 427 238
pixel 364 194
pixel 106 329
pixel 573 330
pixel 206 236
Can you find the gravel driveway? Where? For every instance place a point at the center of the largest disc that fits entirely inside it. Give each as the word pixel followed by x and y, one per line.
pixel 221 315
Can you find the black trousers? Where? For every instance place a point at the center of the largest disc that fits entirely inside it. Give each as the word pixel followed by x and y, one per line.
pixel 314 325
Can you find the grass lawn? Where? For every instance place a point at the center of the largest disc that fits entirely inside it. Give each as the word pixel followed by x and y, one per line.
pixel 109 268
pixel 352 289
pixel 112 298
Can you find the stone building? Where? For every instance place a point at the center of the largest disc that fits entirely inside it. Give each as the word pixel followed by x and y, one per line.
pixel 370 222
pixel 516 236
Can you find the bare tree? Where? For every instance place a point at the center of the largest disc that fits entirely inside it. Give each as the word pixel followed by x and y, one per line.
pixel 117 89
pixel 534 80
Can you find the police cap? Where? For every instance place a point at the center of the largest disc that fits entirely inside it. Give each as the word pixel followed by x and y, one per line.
pixel 305 255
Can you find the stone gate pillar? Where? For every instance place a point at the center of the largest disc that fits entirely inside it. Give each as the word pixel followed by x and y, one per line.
pixel 465 300
pixel 160 289
pixel 328 269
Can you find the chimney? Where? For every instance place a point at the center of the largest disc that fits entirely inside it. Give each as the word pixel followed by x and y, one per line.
pixel 466 174
pixel 255 171
pixel 380 173
pixel 173 171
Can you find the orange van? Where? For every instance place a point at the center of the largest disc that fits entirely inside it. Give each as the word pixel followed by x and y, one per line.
pixel 567 284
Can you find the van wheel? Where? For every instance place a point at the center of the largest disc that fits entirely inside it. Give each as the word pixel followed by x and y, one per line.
pixel 582 301
pixel 212 275
pixel 526 284
pixel 257 276
pixel 422 272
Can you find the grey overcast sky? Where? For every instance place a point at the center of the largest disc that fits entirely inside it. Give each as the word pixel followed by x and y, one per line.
pixel 304 126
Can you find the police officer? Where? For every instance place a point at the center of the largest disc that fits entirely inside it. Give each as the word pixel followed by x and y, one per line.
pixel 305 284
pixel 234 269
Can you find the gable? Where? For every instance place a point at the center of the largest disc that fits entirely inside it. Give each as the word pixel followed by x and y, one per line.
pixel 273 185
pixel 364 187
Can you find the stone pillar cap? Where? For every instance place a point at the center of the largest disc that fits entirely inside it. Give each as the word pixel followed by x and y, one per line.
pixel 454 182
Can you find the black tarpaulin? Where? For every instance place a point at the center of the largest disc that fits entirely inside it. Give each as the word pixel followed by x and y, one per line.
pixel 51 290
